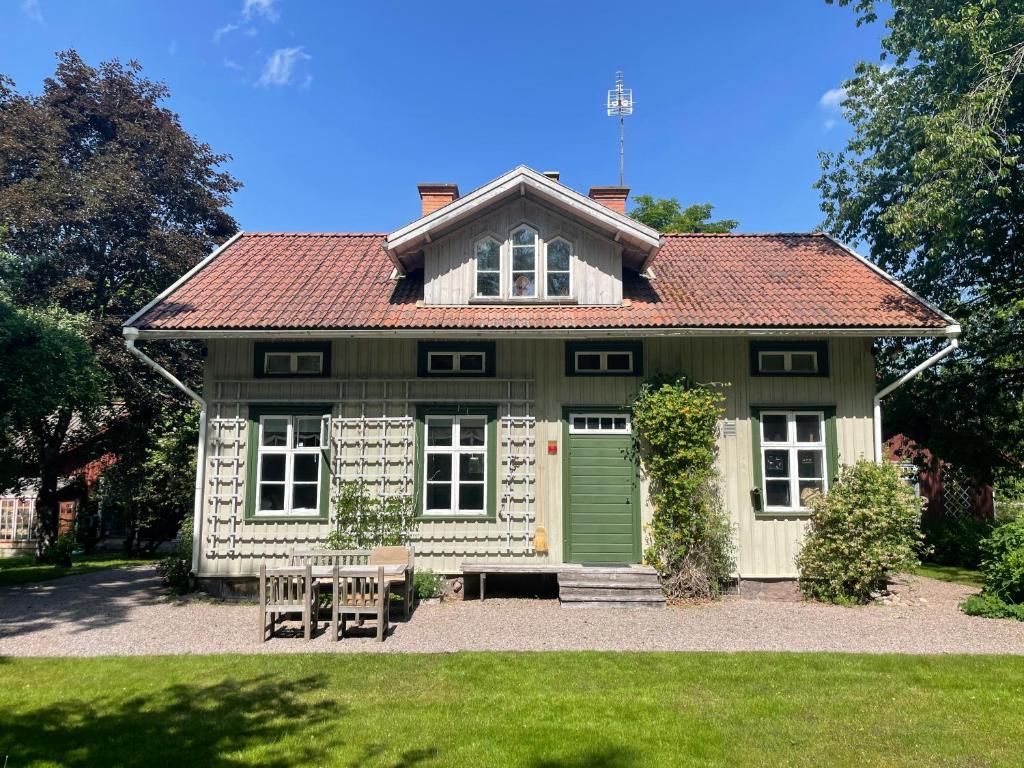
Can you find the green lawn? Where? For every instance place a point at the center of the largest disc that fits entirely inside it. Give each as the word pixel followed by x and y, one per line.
pixel 953 573
pixel 569 710
pixel 25 570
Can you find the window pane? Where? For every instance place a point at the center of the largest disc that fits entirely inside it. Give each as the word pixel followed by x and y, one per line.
pixel 309 362
pixel 523 236
pixel 558 284
pixel 776 463
pixel 442 362
pixel 471 497
pixel 773 362
pixel 606 422
pixel 277 362
pixel 808 429
pixel 471 432
pixel 558 256
pixel 777 493
pixel 579 422
pixel 275 432
pixel 307 432
pixel 439 496
pixel 810 464
pixel 593 422
pixel 471 361
pixel 307 467
pixel 774 426
pixel 522 259
pixel 272 467
pixel 522 284
pixel 488 284
pixel 304 496
pixel 471 467
pixel 804 362
pixel 439 466
pixel 271 497
pixel 488 255
pixel 620 361
pixel 620 422
pixel 588 361
pixel 439 431
pixel 808 489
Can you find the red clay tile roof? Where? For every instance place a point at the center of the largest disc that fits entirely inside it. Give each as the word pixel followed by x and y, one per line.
pixel 342 281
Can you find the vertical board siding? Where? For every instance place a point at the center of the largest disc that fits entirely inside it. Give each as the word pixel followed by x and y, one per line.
pixel 374 379
pixel 449 275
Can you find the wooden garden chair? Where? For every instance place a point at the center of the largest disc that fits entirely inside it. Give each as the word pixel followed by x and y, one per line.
pixel 359 596
pixel 398 556
pixel 287 591
pixel 328 557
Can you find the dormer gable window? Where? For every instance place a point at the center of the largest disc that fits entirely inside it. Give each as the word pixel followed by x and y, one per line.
pixel 488 267
pixel 559 268
pixel 524 262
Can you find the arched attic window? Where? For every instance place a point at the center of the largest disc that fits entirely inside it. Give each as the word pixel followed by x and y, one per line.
pixel 558 268
pixel 524 262
pixel 487 252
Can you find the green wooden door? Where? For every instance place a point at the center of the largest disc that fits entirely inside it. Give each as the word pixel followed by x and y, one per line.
pixel 602 511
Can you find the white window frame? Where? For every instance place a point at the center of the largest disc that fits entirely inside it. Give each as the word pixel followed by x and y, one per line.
pixel 603 353
pixel 455 450
pixel 547 270
pixel 456 369
pixel 293 363
pixel 787 356
pixel 512 259
pixel 613 430
pixel 499 271
pixel 289 451
pixel 792 446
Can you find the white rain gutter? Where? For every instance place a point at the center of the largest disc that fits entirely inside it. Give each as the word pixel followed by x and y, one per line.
pixel 197 513
pixel 953 332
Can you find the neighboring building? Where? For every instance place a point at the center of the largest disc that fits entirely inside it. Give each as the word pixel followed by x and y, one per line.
pixel 482 360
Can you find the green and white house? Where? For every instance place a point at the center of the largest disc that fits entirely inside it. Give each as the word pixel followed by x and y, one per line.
pixel 482 360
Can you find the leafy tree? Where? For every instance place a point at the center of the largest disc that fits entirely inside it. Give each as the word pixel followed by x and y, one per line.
pixel 669 216
pixel 51 391
pixel 105 199
pixel 931 180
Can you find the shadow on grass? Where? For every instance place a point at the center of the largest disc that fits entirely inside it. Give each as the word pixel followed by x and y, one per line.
pixel 610 758
pixel 264 721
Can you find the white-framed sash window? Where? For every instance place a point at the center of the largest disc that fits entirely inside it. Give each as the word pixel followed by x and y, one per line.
pixel 288 465
pixel 524 262
pixel 455 464
pixel 794 458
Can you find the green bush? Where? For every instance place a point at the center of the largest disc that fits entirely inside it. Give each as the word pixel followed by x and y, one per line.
pixel 59 552
pixel 428 584
pixel 955 540
pixel 866 528
pixel 690 540
pixel 364 521
pixel 176 568
pixel 991 607
pixel 1002 563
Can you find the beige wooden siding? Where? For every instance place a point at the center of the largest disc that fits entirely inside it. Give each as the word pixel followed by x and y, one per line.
pixel 375 380
pixel 449 275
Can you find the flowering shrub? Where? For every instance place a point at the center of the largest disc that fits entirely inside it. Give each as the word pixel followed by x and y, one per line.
pixel 690 538
pixel 1003 567
pixel 867 527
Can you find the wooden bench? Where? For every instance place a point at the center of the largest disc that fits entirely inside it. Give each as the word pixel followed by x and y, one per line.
pixel 287 590
pixel 483 569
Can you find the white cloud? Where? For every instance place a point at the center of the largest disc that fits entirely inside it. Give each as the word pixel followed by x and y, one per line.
pixel 264 8
pixel 31 9
pixel 279 67
pixel 832 98
pixel 227 29
pixel 232 64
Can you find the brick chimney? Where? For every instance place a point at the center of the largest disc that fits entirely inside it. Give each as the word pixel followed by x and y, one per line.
pixel 434 196
pixel 553 175
pixel 610 197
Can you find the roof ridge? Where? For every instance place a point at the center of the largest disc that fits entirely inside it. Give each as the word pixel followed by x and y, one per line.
pixel 314 234
pixel 743 234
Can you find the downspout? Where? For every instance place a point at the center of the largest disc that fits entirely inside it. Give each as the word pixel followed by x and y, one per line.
pixel 953 333
pixel 131 335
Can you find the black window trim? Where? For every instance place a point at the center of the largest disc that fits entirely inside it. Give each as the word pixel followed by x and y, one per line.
pixel 636 348
pixel 424 348
pixel 820 347
pixel 261 348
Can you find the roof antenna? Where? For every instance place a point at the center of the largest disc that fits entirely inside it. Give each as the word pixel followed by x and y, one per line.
pixel 620 104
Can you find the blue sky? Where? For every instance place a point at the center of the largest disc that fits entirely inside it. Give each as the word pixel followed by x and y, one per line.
pixel 334 111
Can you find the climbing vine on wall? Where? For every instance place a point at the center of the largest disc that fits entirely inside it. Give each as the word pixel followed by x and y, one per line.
pixel 689 540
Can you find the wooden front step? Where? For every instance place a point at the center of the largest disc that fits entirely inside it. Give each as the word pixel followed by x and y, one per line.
pixel 610 588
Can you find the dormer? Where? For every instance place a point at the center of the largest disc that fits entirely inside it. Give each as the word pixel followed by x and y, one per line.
pixel 524 238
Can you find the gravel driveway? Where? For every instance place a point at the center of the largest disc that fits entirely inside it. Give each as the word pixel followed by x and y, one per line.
pixel 125 612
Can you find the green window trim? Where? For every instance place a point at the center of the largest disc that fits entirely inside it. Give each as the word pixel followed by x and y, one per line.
pixel 256 412
pixel 261 348
pixel 636 348
pixel 831 452
pixel 419 466
pixel 820 347
pixel 424 348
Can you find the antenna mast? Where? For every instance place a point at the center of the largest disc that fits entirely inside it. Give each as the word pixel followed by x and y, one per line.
pixel 620 104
